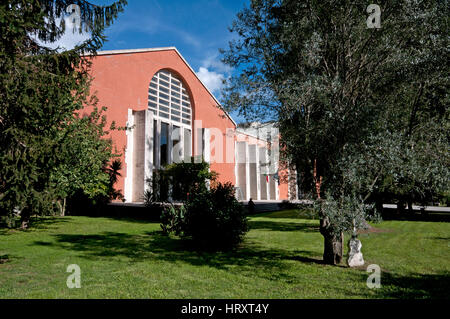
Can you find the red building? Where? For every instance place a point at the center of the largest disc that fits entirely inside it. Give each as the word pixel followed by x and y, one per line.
pixel 171 115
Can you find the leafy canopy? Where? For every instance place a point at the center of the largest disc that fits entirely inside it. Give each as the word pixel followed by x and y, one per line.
pixel 41 90
pixel 360 110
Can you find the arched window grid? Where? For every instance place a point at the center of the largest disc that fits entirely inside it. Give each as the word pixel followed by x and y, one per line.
pixel 170 104
pixel 168 99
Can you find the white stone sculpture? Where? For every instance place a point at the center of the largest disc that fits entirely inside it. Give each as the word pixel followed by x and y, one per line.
pixel 355 257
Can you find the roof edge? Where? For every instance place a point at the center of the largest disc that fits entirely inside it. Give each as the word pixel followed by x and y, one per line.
pixel 127 51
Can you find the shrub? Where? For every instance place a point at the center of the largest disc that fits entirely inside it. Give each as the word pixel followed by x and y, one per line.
pixel 214 219
pixel 171 219
pixel 158 191
pixel 177 180
pixel 189 177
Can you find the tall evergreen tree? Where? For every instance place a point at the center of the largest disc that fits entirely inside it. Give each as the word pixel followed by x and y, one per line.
pixel 360 109
pixel 41 90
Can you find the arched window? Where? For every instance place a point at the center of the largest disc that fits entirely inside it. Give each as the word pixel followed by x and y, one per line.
pixel 169 101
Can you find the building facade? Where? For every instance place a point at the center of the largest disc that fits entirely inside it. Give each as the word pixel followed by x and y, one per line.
pixel 171 116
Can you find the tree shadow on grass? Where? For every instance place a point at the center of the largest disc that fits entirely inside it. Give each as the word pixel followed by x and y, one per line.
pixel 4 259
pixel 290 214
pixel 439 238
pixel 36 223
pixel 138 214
pixel 307 257
pixel 284 226
pixel 249 257
pixel 43 223
pixel 5 231
pixel 415 286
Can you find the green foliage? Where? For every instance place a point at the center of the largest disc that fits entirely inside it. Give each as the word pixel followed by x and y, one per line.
pixel 213 219
pixel 178 181
pixel 172 219
pixel 82 200
pixel 158 189
pixel 415 169
pixel 113 173
pixel 445 199
pixel 41 91
pixel 83 152
pixel 345 214
pixel 188 178
pixel 360 110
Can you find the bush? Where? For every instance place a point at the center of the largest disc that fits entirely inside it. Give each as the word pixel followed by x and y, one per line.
pixel 171 219
pixel 176 181
pixel 158 191
pixel 213 219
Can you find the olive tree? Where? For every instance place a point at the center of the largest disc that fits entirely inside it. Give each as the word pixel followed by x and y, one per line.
pixel 336 81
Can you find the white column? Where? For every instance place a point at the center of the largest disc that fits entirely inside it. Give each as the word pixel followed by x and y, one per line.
pixel 266 156
pixel 139 147
pixel 258 174
pixel 198 141
pixel 170 144
pixel 157 140
pixel 182 157
pixel 128 192
pixel 236 175
pixel 207 145
pixel 242 169
pixel 253 171
pixel 262 171
pixel 148 155
pixel 247 172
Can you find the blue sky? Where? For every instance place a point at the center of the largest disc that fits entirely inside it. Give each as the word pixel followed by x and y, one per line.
pixel 197 28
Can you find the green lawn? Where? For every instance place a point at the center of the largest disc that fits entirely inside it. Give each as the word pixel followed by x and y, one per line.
pixel 280 258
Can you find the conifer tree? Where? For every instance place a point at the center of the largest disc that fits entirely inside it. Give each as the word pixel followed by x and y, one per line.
pixel 41 90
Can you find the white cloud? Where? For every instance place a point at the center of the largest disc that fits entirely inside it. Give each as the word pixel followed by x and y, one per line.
pixel 68 40
pixel 213 72
pixel 214 63
pixel 211 79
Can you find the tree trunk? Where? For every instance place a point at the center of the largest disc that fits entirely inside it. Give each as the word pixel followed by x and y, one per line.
pixel 401 207
pixel 333 245
pixel 333 249
pixel 317 179
pixel 24 218
pixel 410 207
pixel 379 207
pixel 62 207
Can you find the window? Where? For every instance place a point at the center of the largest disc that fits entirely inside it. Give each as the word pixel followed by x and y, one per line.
pixel 170 103
pixel 165 93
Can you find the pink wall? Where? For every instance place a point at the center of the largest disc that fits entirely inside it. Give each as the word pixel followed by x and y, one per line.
pixel 121 82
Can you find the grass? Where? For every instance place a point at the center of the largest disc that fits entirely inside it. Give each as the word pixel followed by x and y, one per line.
pixel 280 258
